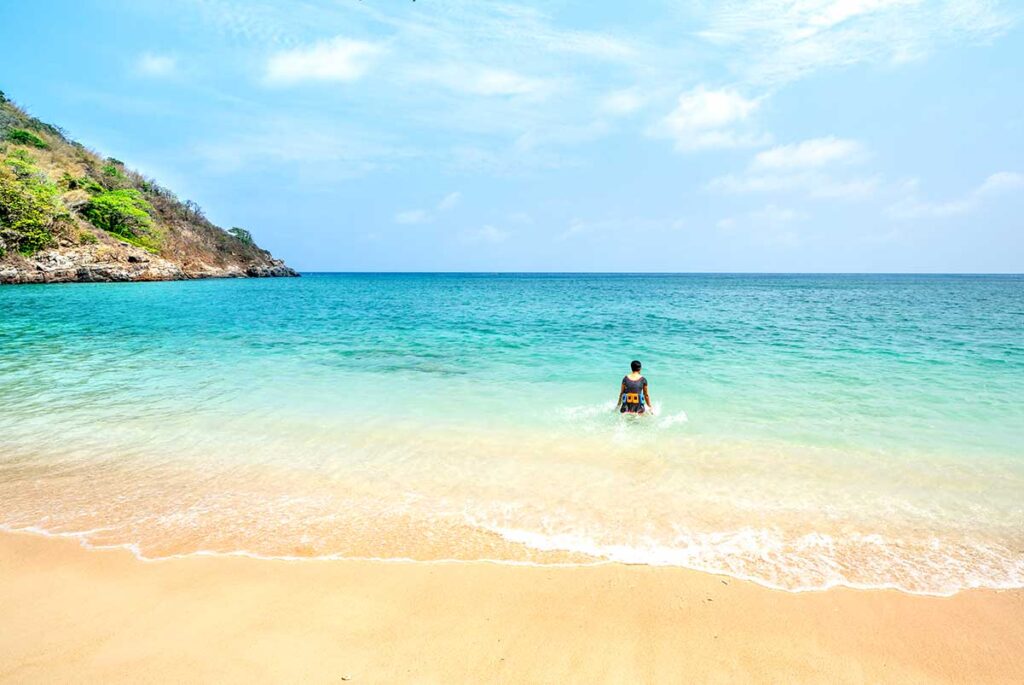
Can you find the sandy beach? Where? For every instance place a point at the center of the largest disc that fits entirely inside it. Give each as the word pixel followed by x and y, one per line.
pixel 68 614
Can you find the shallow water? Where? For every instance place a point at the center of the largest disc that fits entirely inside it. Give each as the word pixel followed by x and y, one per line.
pixel 811 431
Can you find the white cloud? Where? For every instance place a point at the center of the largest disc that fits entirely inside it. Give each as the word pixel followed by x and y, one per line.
pixel 704 119
pixel 807 167
pixel 478 76
pixel 703 109
pixel 809 154
pixel 156 66
pixel 338 59
pixel 999 183
pixel 449 201
pixel 412 216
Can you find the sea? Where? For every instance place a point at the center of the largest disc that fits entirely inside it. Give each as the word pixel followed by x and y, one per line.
pixel 806 432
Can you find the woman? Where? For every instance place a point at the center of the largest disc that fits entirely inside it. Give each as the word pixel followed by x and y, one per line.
pixel 633 397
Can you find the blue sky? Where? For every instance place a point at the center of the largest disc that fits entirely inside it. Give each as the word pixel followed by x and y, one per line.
pixel 811 135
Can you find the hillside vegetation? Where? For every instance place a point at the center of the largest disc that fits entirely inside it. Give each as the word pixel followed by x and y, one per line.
pixel 67 214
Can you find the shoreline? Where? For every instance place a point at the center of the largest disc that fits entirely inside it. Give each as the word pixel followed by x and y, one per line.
pixel 14 277
pixel 71 613
pixel 132 549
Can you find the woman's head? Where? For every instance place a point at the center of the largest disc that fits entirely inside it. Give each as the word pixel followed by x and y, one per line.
pixel 635 365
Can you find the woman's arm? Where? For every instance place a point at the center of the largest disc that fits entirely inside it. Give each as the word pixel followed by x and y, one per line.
pixel 647 398
pixel 622 390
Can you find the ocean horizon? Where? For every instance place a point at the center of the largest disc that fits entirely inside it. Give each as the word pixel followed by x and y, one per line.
pixel 663 273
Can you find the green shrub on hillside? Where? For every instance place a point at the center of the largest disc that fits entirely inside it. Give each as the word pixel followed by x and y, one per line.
pixel 23 137
pixel 84 183
pixel 112 171
pixel 113 177
pixel 28 206
pixel 124 213
pixel 242 235
pixel 22 163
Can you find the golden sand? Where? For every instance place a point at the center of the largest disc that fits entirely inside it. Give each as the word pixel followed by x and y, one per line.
pixel 72 615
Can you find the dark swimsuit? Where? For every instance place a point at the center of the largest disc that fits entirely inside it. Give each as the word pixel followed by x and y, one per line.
pixel 633 388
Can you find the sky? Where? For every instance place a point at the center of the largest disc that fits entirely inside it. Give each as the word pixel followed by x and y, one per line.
pixel 459 135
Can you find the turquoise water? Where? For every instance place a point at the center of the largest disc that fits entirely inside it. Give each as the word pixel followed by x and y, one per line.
pixel 810 431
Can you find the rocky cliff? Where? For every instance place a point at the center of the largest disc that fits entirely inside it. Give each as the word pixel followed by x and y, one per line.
pixel 68 214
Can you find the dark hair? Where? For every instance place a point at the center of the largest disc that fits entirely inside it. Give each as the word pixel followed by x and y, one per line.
pixel 635 365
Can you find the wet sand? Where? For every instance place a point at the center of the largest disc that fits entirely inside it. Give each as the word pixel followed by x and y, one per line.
pixel 73 615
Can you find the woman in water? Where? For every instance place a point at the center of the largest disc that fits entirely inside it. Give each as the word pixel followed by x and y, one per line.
pixel 633 397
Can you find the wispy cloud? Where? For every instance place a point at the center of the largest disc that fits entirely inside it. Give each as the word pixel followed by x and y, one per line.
pixel 808 167
pixel 338 59
pixel 998 184
pixel 488 73
pixel 809 154
pixel 244 20
pixel 712 118
pixel 816 185
pixel 495 73
pixel 507 32
pixel 475 80
pixel 775 41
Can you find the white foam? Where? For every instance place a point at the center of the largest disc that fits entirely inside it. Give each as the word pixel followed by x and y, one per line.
pixel 713 553
pixel 587 411
pixel 806 564
pixel 670 420
pixel 590 411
